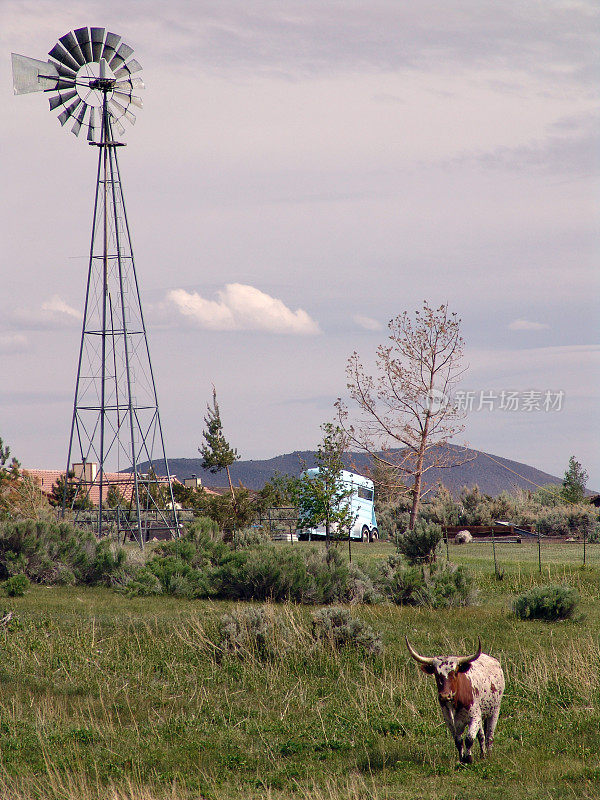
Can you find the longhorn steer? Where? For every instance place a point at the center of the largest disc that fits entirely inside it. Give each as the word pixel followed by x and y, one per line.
pixel 470 691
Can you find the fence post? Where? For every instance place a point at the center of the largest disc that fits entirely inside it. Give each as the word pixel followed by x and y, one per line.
pixel 539 550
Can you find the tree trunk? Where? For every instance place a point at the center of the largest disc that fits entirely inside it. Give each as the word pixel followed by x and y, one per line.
pixel 419 475
pixel 230 486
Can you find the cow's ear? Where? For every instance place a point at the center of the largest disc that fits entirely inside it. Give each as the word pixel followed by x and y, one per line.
pixel 428 668
pixel 464 667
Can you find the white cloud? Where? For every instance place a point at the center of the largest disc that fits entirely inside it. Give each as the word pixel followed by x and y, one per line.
pixel 52 314
pixel 57 305
pixel 368 323
pixel 12 343
pixel 527 325
pixel 242 307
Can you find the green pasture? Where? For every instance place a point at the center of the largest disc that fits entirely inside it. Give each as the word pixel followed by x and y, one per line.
pixel 102 696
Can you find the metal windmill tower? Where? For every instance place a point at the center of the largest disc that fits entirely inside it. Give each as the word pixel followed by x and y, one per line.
pixel 116 422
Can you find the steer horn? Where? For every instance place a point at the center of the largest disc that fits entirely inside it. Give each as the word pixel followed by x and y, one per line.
pixel 464 660
pixel 416 656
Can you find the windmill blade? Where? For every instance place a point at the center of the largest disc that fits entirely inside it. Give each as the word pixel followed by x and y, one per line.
pixel 128 99
pixel 79 119
pixel 114 122
pixel 59 53
pixel 71 45
pixel 30 75
pixel 69 111
pixel 65 72
pixel 110 46
pixel 83 37
pixel 121 56
pixel 92 125
pixel 62 83
pixel 62 98
pixel 120 111
pixel 130 83
pixel 127 69
pixel 72 65
pixel 97 42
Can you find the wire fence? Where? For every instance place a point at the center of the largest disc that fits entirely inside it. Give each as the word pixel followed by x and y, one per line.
pixel 505 542
pixel 280 523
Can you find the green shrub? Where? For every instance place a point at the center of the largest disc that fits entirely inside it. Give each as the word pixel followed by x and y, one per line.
pixel 475 507
pixel 197 566
pixel 567 521
pixel 16 585
pixel 403 584
pixel 450 586
pixel 550 603
pixel 439 586
pixel 145 584
pixel 392 519
pixel 361 588
pixel 337 627
pixel 595 533
pixel 50 552
pixel 329 577
pixel 419 544
pixel 249 537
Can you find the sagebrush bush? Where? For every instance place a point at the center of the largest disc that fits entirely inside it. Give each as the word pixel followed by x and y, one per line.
pixel 337 627
pixel 50 552
pixel 392 519
pixel 450 586
pixel 545 509
pixel 438 585
pixel 550 603
pixel 252 633
pixel 197 566
pixel 249 537
pixel 418 545
pixel 561 521
pixel 401 583
pixel 361 588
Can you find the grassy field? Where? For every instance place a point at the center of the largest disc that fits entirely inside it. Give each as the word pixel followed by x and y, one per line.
pixel 107 697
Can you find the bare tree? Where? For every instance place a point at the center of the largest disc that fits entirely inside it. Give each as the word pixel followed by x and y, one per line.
pixel 406 414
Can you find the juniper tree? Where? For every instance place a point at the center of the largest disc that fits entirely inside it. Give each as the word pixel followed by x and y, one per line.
pixel 76 496
pixel 20 495
pixel 216 452
pixel 573 486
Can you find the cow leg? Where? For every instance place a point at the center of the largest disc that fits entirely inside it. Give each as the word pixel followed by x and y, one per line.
pixel 460 747
pixel 459 727
pixel 481 740
pixel 455 729
pixel 490 727
pixel 472 732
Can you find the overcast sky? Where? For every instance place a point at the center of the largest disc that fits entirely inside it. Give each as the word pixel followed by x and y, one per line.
pixel 302 172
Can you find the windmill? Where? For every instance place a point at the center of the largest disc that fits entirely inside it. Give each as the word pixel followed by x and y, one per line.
pixel 91 78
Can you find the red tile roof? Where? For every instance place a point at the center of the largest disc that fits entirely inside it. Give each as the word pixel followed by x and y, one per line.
pixel 46 478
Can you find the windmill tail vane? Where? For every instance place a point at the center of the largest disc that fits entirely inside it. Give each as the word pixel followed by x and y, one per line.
pixel 116 422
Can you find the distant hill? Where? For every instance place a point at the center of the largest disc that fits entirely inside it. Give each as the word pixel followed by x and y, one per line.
pixel 493 474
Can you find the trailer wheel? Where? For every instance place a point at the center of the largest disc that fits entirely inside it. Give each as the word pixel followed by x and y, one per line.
pixel 374 535
pixel 364 534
